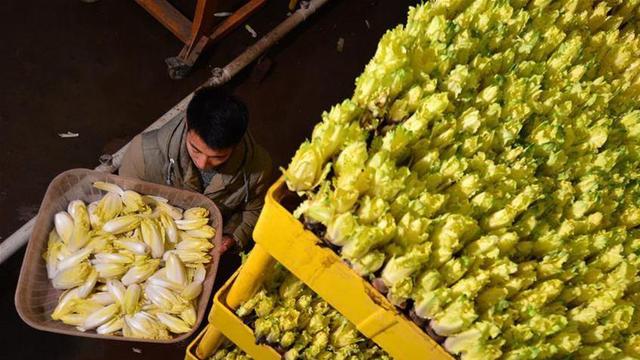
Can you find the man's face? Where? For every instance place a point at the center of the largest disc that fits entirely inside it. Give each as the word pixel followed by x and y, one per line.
pixel 204 157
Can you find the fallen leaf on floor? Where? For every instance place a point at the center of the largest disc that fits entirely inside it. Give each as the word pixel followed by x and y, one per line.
pixel 68 134
pixel 251 31
pixel 136 350
pixel 222 14
pixel 340 45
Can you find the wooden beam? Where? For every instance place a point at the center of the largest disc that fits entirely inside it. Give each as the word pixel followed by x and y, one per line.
pixel 168 16
pixel 202 20
pixel 190 53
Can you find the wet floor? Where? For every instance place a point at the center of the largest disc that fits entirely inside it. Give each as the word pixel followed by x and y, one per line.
pixel 98 70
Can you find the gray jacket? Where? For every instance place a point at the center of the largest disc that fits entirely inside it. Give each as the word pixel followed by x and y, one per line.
pixel 238 188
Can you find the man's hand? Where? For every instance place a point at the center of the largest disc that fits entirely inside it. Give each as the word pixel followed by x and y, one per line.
pixel 227 243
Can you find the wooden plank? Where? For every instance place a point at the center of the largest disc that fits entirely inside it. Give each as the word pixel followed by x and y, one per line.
pixel 190 53
pixel 202 20
pixel 168 16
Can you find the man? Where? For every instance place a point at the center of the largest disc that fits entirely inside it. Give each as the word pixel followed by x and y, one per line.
pixel 210 152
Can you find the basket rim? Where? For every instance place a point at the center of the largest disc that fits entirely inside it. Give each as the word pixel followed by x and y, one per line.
pixel 22 288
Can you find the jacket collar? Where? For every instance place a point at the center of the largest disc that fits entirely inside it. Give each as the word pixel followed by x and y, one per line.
pixel 190 177
pixel 233 167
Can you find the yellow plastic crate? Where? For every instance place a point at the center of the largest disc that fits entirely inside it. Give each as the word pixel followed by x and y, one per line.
pixel 191 353
pixel 191 349
pixel 286 239
pixel 234 329
pixel 240 287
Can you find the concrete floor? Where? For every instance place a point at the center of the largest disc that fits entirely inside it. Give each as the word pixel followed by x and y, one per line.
pixel 98 70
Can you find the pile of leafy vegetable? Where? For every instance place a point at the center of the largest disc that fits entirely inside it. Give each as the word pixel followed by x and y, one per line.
pixel 484 175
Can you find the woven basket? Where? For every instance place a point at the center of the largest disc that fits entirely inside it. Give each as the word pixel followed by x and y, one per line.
pixel 35 296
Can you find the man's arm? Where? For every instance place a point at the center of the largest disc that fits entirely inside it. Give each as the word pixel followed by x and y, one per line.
pixel 242 234
pixel 132 164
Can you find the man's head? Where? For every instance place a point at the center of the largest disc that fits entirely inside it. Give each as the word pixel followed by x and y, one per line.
pixel 216 122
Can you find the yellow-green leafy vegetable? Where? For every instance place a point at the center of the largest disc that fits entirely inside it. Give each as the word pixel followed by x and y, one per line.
pixel 291 317
pixel 489 176
pixel 127 265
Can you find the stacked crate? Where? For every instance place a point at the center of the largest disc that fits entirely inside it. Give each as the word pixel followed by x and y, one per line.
pixel 281 237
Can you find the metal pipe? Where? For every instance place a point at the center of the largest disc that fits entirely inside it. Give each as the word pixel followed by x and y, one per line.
pixel 307 8
pixel 111 163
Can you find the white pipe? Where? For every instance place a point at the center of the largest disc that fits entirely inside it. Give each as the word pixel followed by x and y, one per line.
pixel 17 240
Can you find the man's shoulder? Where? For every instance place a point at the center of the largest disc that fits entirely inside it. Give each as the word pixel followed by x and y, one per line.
pixel 162 142
pixel 148 152
pixel 133 164
pixel 260 161
pixel 162 136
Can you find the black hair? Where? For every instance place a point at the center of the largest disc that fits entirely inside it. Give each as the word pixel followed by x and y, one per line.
pixel 218 118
